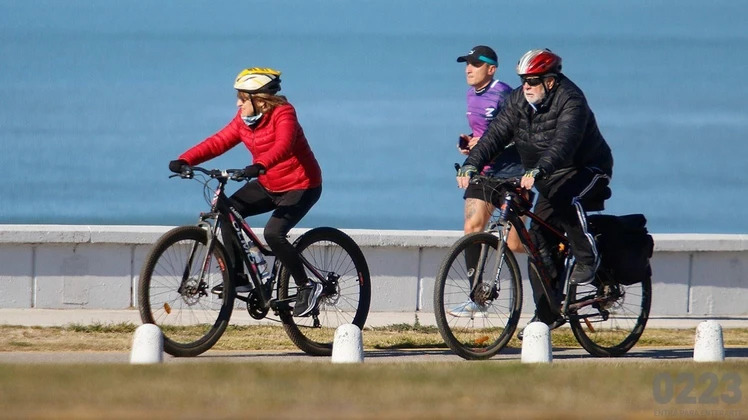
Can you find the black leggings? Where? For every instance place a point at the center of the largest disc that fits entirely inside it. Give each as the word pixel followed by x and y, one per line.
pixel 289 208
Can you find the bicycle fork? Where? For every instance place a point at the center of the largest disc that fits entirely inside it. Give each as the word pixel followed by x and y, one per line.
pixel 200 285
pixel 481 292
pixel 493 288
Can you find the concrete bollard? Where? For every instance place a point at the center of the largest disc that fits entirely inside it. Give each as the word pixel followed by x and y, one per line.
pixel 348 346
pixel 709 346
pixel 147 345
pixel 536 344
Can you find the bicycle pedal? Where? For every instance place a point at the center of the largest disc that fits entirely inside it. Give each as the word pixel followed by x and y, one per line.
pixel 218 291
pixel 283 305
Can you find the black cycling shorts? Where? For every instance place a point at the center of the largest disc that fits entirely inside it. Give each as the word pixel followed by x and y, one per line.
pixel 481 193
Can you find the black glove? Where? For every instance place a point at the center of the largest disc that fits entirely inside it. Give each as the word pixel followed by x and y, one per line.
pixel 537 173
pixel 176 165
pixel 468 171
pixel 252 171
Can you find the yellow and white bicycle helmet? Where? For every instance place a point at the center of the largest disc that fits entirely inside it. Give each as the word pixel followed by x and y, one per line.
pixel 258 80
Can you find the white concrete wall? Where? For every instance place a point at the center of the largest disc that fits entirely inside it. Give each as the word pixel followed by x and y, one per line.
pixel 96 267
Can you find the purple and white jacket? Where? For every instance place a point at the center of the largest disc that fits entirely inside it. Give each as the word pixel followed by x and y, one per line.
pixel 482 108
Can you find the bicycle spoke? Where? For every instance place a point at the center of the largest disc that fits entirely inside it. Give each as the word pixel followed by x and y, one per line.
pixel 171 295
pixel 338 259
pixel 612 326
pixel 476 316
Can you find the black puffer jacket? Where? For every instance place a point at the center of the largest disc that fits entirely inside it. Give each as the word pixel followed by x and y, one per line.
pixel 561 134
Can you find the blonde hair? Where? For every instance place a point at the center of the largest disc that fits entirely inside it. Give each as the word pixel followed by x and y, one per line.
pixel 264 102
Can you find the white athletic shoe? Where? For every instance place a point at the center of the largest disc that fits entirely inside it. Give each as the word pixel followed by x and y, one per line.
pixel 468 309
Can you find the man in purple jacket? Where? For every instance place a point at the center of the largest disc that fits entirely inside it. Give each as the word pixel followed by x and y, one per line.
pixel 485 97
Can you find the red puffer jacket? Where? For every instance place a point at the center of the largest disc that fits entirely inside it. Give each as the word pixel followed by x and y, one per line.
pixel 276 142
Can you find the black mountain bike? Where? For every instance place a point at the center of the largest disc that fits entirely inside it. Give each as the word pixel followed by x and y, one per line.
pixel 186 286
pixel 477 308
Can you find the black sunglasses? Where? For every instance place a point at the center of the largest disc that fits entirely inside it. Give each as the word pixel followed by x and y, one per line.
pixel 532 81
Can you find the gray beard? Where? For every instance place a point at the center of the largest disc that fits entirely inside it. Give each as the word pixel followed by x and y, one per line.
pixel 537 100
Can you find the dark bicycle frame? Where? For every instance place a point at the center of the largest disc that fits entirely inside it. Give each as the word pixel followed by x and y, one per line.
pixel 513 205
pixel 223 212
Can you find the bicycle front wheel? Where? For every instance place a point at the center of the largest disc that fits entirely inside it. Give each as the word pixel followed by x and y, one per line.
pixel 613 324
pixel 346 294
pixel 190 310
pixel 476 321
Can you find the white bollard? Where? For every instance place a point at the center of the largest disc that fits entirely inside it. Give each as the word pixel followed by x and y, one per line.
pixel 147 345
pixel 536 343
pixel 709 346
pixel 348 346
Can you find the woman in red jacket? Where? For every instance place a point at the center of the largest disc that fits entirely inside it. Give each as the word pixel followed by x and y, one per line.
pixel 288 179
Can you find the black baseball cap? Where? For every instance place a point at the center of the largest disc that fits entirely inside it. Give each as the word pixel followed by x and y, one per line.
pixel 480 53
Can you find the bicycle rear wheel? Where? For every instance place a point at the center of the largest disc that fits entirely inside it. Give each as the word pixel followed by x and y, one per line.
pixel 477 325
pixel 613 325
pixel 346 295
pixel 190 313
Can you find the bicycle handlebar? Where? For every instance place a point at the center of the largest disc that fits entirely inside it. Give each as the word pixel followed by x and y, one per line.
pixel 506 182
pixel 221 174
pixel 509 187
pixel 512 183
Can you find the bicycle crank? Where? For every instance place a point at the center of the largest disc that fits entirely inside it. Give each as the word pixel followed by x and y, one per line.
pixel 254 306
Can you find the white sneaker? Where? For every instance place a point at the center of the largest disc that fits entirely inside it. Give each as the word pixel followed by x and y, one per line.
pixel 307 298
pixel 468 309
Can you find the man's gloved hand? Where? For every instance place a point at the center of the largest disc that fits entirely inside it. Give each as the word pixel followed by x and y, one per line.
pixel 464 174
pixel 253 171
pixel 176 165
pixel 535 173
pixel 528 179
pixel 467 170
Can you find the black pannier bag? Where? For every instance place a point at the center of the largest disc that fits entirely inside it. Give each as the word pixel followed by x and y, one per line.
pixel 625 246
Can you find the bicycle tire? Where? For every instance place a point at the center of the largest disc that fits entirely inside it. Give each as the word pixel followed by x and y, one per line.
pixel 481 334
pixel 193 320
pixel 333 253
pixel 628 315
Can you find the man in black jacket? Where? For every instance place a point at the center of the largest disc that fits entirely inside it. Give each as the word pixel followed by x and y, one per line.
pixel 565 157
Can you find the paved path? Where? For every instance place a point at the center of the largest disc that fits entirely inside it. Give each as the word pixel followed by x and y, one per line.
pixel 560 355
pixel 62 317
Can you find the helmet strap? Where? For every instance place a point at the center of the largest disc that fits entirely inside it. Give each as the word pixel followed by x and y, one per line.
pixel 555 82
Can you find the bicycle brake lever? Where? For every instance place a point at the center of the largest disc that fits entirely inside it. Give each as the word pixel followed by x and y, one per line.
pixel 182 175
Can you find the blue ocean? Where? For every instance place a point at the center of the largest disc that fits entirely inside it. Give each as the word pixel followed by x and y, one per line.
pixel 96 97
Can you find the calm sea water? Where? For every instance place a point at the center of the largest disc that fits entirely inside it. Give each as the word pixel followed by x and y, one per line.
pixel 97 97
